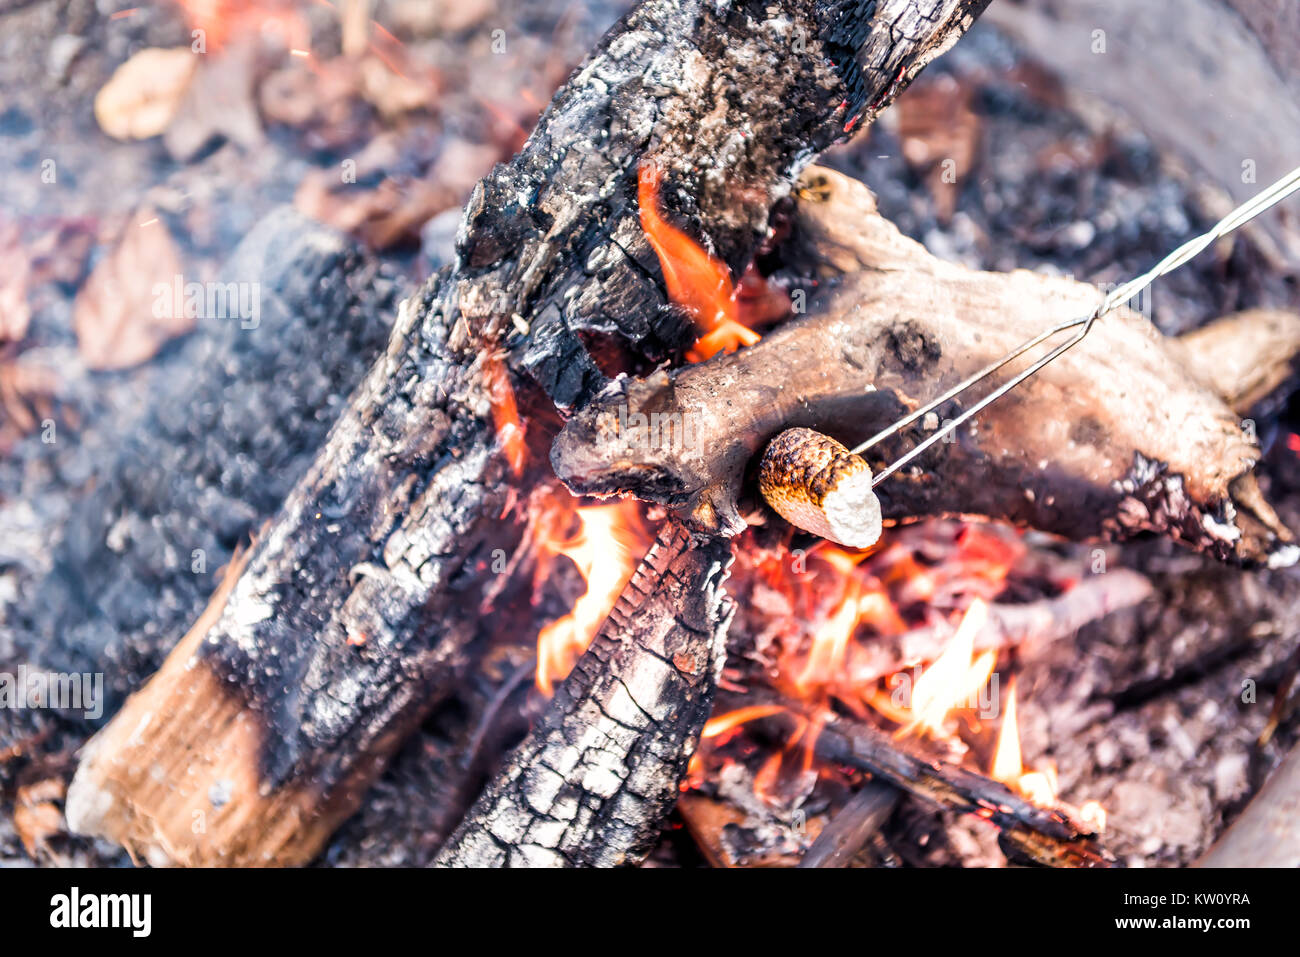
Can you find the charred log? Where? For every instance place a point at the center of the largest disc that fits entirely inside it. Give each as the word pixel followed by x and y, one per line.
pixel 594 780
pixel 1028 833
pixel 1124 434
pixel 360 598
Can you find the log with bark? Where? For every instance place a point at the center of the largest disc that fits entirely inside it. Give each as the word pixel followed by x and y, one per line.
pixel 594 780
pixel 1129 432
pixel 362 596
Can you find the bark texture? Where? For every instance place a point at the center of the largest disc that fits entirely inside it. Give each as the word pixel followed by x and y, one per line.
pixel 1124 434
pixel 364 592
pixel 592 782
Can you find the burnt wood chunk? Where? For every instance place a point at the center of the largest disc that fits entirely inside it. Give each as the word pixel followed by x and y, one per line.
pixel 593 781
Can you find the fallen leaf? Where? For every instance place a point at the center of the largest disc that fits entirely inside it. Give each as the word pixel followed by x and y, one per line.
pixel 36 817
pixel 218 103
pixel 144 93
pixel 940 137
pixel 119 320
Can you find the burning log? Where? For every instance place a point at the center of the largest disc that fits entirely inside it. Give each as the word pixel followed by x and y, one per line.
pixel 1126 433
pixel 360 599
pixel 1027 832
pixel 593 781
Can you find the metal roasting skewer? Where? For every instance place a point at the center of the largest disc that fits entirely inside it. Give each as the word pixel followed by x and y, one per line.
pixel 1247 211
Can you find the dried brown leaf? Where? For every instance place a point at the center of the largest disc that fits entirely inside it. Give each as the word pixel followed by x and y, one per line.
pixel 119 319
pixel 940 136
pixel 143 95
pixel 36 817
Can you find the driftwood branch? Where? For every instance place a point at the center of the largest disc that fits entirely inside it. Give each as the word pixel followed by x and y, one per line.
pixel 361 597
pixel 593 781
pixel 1128 432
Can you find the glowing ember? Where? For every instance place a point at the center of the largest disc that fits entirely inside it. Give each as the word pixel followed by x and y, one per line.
pixel 954 678
pixel 720 724
pixel 697 281
pixel 505 413
pixel 221 20
pixel 606 549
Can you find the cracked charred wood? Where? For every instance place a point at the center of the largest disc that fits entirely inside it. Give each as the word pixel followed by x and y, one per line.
pixel 1126 433
pixel 361 597
pixel 1026 832
pixel 593 781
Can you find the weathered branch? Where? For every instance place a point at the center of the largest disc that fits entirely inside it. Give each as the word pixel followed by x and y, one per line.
pixel 852 826
pixel 1121 435
pixel 593 781
pixel 359 600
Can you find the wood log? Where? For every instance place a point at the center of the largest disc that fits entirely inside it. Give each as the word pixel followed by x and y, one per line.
pixel 237 411
pixel 1026 832
pixel 592 782
pixel 852 826
pixel 362 595
pixel 1124 434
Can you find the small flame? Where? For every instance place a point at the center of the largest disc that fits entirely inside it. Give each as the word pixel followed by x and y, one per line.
pixel 954 677
pixel 505 412
pixel 605 550
pixel 723 723
pixel 1039 787
pixel 1093 815
pixel 697 281
pixel 1007 764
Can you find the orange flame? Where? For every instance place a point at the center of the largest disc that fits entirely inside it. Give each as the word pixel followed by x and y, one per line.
pixel 220 20
pixel 954 677
pixel 505 412
pixel 605 549
pixel 1038 787
pixel 697 281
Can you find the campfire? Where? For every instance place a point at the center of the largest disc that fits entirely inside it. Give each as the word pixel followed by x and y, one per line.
pixel 644 517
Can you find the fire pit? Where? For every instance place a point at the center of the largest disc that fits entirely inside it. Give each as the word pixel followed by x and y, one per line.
pixel 424 524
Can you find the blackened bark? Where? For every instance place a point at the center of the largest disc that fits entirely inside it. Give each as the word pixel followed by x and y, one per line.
pixel 238 411
pixel 591 784
pixel 360 596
